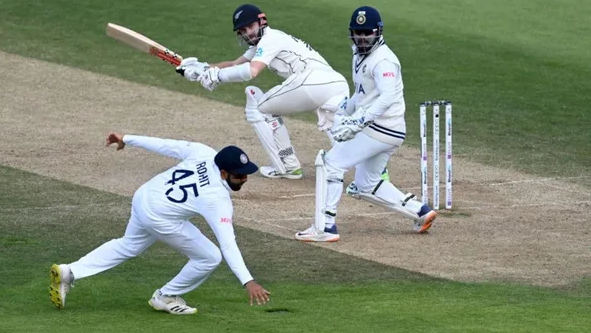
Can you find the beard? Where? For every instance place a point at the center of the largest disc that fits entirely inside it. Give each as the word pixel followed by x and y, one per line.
pixel 232 185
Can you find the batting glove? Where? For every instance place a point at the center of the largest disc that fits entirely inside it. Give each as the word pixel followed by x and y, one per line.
pixel 192 70
pixel 189 62
pixel 210 79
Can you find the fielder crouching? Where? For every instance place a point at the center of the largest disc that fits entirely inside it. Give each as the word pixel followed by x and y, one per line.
pixel 161 208
pixel 368 130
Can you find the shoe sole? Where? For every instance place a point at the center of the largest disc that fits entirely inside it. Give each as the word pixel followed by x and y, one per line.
pixel 428 222
pixel 54 287
pixel 318 240
pixel 286 176
pixel 175 313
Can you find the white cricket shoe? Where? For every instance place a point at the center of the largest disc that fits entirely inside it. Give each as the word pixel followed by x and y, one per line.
pixel 314 235
pixel 271 172
pixel 426 218
pixel 171 304
pixel 61 281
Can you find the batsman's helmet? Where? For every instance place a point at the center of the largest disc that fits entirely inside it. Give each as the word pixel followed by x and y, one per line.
pixel 244 16
pixel 366 29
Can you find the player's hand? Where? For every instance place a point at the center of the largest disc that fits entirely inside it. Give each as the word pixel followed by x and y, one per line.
pixel 210 79
pixel 190 61
pixel 346 127
pixel 116 138
pixel 257 293
pixel 193 72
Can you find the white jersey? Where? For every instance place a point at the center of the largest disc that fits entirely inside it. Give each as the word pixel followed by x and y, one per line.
pixel 192 187
pixel 285 54
pixel 379 90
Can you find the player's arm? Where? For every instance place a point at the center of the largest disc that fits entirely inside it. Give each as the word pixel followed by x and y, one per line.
pixel 349 105
pixel 172 148
pixel 259 58
pixel 386 75
pixel 218 215
pixel 224 64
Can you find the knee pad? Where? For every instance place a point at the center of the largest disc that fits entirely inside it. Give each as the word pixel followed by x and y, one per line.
pixel 253 115
pixel 253 94
pixel 274 121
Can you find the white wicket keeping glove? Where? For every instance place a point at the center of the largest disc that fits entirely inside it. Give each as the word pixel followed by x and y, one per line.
pixel 346 127
pixel 210 79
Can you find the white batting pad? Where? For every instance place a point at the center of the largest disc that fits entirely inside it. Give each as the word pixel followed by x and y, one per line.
pixel 266 137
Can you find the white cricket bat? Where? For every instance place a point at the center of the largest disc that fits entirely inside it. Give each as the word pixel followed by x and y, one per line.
pixel 142 43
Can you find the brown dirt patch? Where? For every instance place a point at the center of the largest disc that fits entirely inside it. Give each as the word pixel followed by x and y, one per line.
pixel 506 225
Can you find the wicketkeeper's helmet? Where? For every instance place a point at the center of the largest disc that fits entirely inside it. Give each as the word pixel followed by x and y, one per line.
pixel 366 29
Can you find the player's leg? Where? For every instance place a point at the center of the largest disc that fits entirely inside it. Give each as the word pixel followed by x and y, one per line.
pixel 135 241
pixel 341 158
pixel 274 138
pixel 204 257
pixel 371 187
pixel 305 91
pixel 322 91
pixel 319 90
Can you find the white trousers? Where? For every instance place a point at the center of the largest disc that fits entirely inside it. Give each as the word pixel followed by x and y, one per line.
pixel 319 89
pixel 183 236
pixel 305 91
pixel 369 157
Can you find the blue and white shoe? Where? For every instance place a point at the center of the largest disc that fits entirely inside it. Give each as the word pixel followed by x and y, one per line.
pixel 352 189
pixel 426 218
pixel 314 235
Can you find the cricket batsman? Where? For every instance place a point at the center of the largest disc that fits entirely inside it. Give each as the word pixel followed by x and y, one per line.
pixel 310 83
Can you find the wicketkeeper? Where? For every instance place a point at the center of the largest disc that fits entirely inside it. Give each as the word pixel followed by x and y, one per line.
pixel 368 130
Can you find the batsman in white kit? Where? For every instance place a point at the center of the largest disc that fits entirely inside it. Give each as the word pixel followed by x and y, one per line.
pixel 310 84
pixel 161 208
pixel 368 130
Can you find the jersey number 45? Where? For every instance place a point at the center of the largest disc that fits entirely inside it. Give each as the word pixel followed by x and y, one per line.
pixel 178 175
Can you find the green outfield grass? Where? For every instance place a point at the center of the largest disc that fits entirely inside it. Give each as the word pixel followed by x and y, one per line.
pixel 348 294
pixel 516 71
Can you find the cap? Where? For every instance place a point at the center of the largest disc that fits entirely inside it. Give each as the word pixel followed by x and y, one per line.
pixel 234 160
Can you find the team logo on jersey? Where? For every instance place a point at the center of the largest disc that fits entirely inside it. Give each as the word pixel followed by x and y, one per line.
pixel 364 68
pixel 360 17
pixel 259 52
pixel 243 159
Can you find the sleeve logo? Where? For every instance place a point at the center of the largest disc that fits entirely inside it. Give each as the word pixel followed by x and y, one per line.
pixel 259 52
